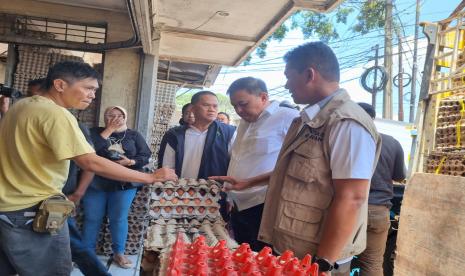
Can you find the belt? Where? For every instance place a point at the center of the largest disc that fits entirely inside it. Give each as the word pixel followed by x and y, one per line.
pixel 27 212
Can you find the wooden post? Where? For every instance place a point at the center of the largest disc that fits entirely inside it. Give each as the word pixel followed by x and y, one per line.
pixel 387 99
pixel 400 83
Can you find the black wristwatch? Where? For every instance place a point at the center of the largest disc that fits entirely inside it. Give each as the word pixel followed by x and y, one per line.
pixel 323 264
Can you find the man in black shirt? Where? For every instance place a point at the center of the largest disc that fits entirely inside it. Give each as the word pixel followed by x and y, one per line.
pixel 390 168
pixel 75 187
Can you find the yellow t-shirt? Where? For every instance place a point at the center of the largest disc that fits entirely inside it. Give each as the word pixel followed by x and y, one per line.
pixel 37 137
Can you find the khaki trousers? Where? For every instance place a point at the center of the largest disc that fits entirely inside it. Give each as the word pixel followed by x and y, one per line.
pixel 370 261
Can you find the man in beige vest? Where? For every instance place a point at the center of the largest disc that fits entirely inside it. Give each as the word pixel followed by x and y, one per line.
pixel 317 196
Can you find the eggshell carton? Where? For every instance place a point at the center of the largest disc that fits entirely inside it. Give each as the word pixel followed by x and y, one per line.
pixel 175 201
pixel 186 182
pixel 161 233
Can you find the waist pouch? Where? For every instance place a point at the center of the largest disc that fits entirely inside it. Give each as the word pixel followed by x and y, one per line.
pixel 52 214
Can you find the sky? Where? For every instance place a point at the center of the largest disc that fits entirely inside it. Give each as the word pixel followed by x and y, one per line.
pixel 353 51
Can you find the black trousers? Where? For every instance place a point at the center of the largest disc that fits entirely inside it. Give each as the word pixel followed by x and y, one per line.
pixel 246 224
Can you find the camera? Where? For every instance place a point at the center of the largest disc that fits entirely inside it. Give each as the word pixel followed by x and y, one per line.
pixel 10 92
pixel 113 155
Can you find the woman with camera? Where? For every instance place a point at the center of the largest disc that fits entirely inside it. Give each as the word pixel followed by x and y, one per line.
pixel 108 197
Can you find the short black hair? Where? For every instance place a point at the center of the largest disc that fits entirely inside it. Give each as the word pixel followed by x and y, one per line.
pixel 196 97
pixel 35 82
pixel 184 108
pixel 252 85
pixel 369 109
pixel 69 71
pixel 225 114
pixel 317 55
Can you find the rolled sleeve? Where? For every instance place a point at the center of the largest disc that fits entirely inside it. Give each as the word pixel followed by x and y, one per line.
pixel 352 150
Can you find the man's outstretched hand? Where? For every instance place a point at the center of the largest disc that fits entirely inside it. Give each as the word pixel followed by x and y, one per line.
pixel 164 174
pixel 232 184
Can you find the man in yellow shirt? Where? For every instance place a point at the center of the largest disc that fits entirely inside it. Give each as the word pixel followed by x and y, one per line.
pixel 38 138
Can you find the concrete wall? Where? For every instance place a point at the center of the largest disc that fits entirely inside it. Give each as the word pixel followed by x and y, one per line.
pixel 119 27
pixel 121 82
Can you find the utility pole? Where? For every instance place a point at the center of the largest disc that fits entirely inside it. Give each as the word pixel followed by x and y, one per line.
pixel 413 93
pixel 375 86
pixel 387 97
pixel 400 82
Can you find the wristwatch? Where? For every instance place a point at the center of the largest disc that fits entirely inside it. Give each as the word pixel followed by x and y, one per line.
pixel 323 264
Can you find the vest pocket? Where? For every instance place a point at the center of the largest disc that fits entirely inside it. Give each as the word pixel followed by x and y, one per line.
pixel 303 183
pixel 300 221
pixel 301 168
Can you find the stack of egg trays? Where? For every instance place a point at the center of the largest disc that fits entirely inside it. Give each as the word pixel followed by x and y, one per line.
pixel 450 120
pixel 161 233
pixel 448 163
pixel 185 198
pixel 162 118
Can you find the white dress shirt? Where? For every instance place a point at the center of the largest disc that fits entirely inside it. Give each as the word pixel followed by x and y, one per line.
pixel 352 148
pixel 256 150
pixel 194 142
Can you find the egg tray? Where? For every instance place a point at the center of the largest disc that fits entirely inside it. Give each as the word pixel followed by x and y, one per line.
pixel 450 130
pixel 185 198
pixel 448 163
pixel 185 193
pixel 187 183
pixel 176 201
pixel 198 258
pixel 189 212
pixel 162 233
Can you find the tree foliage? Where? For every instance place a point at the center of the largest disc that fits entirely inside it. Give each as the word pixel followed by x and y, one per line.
pixel 223 102
pixel 371 16
pixel 323 26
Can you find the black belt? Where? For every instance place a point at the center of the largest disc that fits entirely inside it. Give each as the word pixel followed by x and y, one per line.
pixel 27 212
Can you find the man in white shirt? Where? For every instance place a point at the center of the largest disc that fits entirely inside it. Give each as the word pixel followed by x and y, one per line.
pixel 259 139
pixel 201 149
pixel 316 201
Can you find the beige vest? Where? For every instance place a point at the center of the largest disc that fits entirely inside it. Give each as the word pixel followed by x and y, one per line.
pixel 300 190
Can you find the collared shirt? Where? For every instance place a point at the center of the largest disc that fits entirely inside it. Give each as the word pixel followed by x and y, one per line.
pixel 194 143
pixel 38 139
pixel 256 150
pixel 349 142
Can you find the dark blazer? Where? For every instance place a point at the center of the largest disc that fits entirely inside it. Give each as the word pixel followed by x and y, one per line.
pixel 215 157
